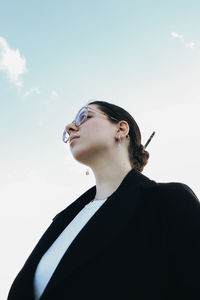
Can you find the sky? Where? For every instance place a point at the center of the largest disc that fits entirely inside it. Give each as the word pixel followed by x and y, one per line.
pixel 55 56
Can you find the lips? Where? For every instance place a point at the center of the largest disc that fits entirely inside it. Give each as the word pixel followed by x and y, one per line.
pixel 73 137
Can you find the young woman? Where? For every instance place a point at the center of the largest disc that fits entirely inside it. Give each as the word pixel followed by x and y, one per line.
pixel 127 237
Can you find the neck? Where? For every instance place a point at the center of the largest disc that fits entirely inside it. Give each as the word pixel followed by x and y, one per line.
pixel 108 178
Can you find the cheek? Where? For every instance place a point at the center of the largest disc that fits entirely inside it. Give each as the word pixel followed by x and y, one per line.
pixel 94 141
pixel 100 134
pixel 93 131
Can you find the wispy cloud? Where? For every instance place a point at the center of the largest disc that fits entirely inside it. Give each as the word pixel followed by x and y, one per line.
pixel 54 94
pixel 11 62
pixel 181 38
pixel 175 35
pixel 31 91
pixel 191 45
pixel 53 97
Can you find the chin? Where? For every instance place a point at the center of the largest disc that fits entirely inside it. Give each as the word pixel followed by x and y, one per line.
pixel 84 156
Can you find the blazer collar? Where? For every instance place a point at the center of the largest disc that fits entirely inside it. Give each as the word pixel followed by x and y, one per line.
pixel 100 230
pixel 132 179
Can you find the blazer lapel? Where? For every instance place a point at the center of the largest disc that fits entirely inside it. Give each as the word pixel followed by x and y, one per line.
pixel 60 221
pixel 105 224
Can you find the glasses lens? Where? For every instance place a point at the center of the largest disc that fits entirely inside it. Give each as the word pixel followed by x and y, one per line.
pixel 65 136
pixel 80 116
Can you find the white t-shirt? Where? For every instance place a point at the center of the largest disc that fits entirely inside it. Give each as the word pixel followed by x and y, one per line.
pixel 53 255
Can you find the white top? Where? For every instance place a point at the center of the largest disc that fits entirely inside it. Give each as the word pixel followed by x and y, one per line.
pixel 53 255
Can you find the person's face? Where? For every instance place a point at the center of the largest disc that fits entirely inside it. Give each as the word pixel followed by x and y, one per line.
pixel 96 136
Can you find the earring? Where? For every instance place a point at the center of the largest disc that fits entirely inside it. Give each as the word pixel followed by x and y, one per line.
pixel 87 172
pixel 119 143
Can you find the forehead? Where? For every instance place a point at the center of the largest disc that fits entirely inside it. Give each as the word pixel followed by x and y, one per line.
pixel 95 106
pixel 92 106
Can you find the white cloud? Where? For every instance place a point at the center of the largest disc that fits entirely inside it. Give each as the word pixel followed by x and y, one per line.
pixel 53 97
pixel 31 91
pixel 180 37
pixel 54 94
pixel 11 62
pixel 175 35
pixel 190 45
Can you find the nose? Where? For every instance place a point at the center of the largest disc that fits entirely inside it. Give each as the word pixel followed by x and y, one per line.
pixel 71 127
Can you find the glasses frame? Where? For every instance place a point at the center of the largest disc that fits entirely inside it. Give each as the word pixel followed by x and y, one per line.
pixel 86 109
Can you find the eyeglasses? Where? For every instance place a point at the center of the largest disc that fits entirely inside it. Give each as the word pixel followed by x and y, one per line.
pixel 81 117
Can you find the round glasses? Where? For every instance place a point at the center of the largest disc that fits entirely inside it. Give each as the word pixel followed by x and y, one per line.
pixel 80 118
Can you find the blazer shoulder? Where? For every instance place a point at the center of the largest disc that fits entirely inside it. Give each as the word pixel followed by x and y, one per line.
pixel 178 209
pixel 175 196
pixel 177 190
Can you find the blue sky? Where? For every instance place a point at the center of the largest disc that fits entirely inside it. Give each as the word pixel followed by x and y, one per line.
pixel 55 56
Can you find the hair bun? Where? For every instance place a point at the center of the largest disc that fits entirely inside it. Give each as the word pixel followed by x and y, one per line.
pixel 140 158
pixel 140 149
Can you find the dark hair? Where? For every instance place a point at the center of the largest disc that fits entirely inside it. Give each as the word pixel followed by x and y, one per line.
pixel 137 154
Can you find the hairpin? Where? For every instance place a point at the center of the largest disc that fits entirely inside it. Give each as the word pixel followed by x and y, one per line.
pixel 149 140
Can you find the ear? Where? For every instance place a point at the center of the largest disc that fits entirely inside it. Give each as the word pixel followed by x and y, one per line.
pixel 123 129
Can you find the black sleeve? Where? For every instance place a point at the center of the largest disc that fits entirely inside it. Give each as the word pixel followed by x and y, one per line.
pixel 184 242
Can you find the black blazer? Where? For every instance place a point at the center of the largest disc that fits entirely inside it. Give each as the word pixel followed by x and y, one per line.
pixel 143 243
